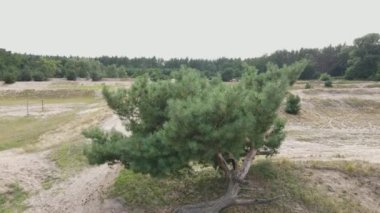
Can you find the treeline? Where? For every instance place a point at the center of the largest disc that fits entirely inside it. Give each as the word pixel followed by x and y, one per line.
pixel 358 61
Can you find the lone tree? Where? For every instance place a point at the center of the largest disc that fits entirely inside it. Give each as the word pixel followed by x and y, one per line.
pixel 190 119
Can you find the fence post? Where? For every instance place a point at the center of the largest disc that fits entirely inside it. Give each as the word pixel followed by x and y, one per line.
pixel 27 107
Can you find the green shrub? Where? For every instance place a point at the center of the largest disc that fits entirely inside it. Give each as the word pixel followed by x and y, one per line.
pixel 25 75
pixel 96 76
pixel 328 83
pixel 71 76
pixel 9 78
pixel 39 76
pixel 307 85
pixel 293 105
pixel 325 77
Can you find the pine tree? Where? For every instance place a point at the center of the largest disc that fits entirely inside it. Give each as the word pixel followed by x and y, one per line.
pixel 190 119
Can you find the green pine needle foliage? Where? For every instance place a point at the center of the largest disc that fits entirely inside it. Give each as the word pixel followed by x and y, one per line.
pixel 189 119
pixel 293 104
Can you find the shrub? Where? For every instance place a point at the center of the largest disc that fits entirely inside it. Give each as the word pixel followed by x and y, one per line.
pixel 9 78
pixel 71 76
pixel 25 75
pixel 325 77
pixel 39 76
pixel 96 76
pixel 307 85
pixel 293 105
pixel 328 83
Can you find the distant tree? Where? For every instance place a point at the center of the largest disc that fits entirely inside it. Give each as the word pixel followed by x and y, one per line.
pixel 39 76
pixel 96 76
pixel 176 123
pixel 293 104
pixel 364 59
pixel 25 75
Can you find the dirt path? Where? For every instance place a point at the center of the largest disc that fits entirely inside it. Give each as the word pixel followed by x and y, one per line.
pixel 27 169
pixel 85 192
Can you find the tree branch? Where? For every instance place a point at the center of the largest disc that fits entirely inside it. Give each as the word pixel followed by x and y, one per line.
pixel 247 163
pixel 222 163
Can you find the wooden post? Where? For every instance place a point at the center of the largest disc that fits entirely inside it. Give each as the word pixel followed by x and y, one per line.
pixel 27 107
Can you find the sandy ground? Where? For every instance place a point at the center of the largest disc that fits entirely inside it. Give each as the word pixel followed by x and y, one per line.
pixel 364 190
pixel 58 83
pixel 36 110
pixel 84 192
pixel 329 128
pixel 27 169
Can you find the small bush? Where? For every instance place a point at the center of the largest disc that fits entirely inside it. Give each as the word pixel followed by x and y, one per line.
pixel 307 85
pixel 71 76
pixel 25 75
pixel 9 78
pixel 39 76
pixel 96 76
pixel 293 105
pixel 328 83
pixel 325 77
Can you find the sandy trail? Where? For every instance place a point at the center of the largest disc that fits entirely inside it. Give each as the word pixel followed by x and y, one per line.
pixel 84 192
pixel 27 169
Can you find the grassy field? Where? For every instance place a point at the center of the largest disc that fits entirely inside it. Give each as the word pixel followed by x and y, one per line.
pixel 28 129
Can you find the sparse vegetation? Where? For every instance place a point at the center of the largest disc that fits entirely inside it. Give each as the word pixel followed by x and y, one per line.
pixel 12 200
pixel 307 85
pixel 69 157
pixel 28 129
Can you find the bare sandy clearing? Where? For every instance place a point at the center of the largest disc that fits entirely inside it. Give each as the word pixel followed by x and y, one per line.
pixel 58 83
pixel 336 123
pixel 84 192
pixel 36 110
pixel 27 169
pixel 363 190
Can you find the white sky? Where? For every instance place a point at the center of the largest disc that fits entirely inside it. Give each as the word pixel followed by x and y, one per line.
pixel 178 28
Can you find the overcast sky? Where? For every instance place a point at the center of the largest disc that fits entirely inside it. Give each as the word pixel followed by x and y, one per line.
pixel 178 28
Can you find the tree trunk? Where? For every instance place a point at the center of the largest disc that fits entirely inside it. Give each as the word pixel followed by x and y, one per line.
pixel 230 198
pixel 227 200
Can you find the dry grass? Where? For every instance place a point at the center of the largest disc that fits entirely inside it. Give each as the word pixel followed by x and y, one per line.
pixel 21 131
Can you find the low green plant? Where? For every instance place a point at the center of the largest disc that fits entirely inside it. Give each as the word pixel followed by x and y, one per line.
pixel 328 83
pixel 9 78
pixel 71 76
pixel 96 76
pixel 293 104
pixel 325 77
pixel 307 85
pixel 12 200
pixel 39 76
